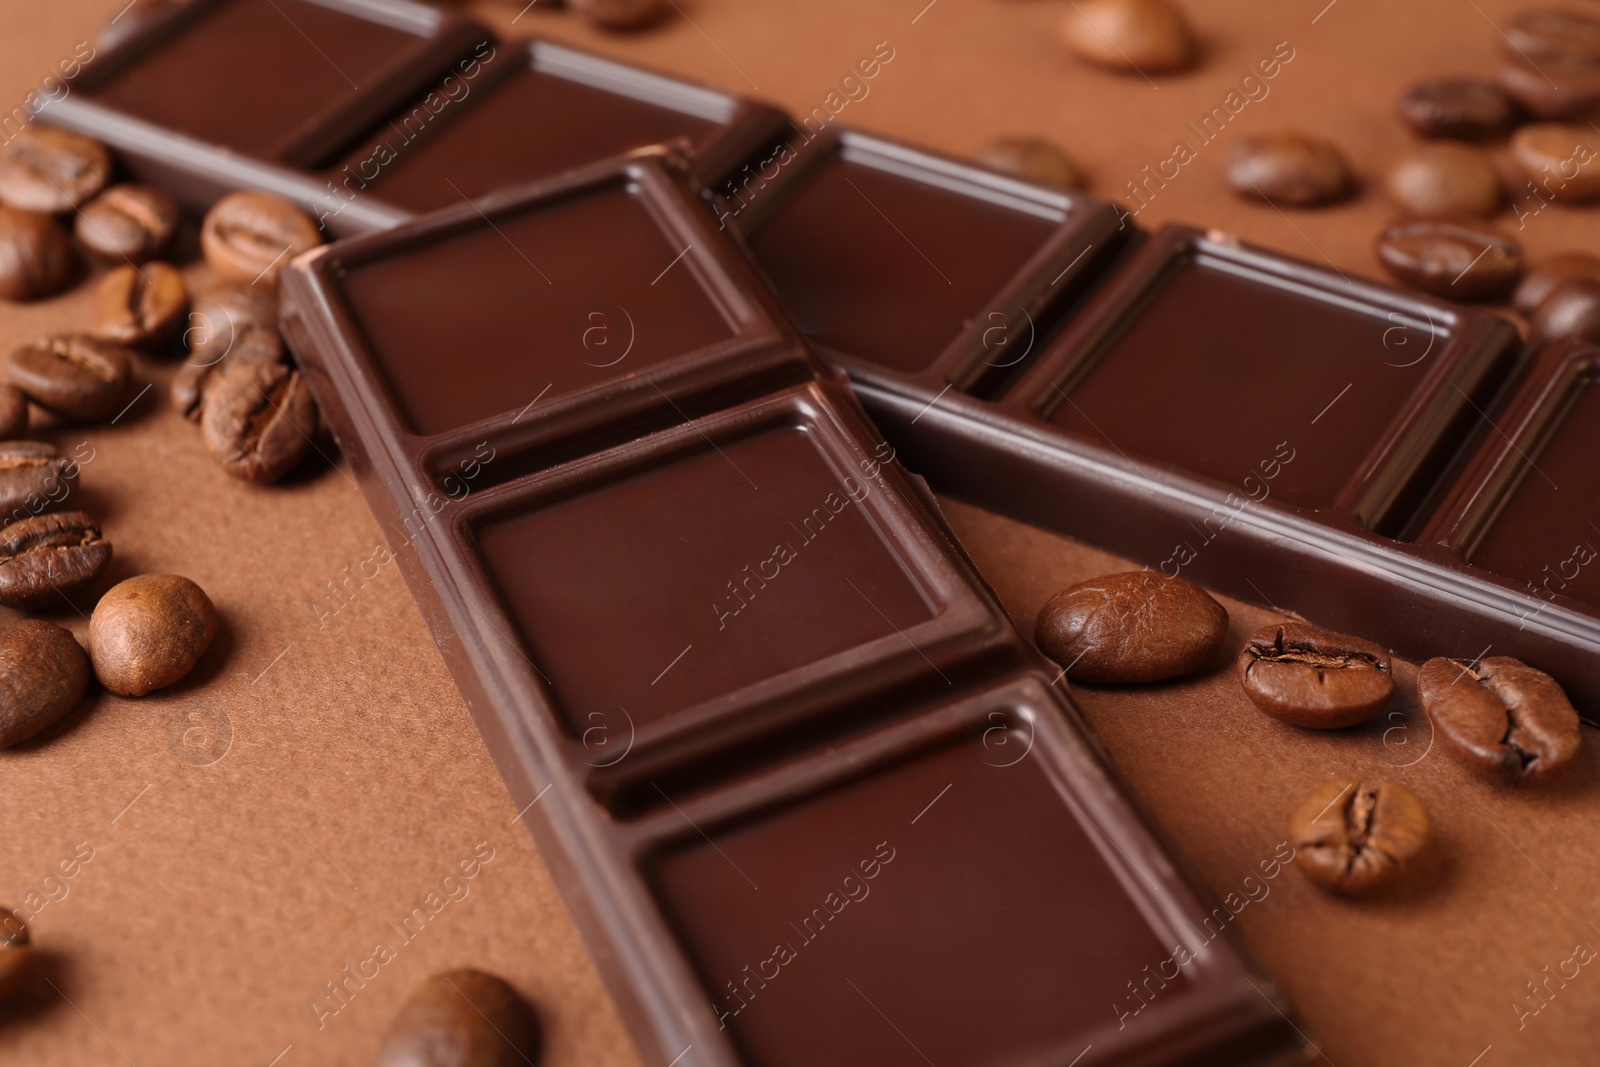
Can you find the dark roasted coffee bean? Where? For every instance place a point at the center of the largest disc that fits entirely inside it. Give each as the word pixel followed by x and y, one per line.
pixel 257 419
pixel 1538 35
pixel 1446 181
pixel 1289 168
pixel 140 305
pixel 148 632
pixel 1313 677
pixel 462 1018
pixel 1465 109
pixel 43 675
pixel 1459 262
pixel 1570 312
pixel 1139 626
pixel 1135 36
pixel 74 375
pixel 34 478
pixel 620 14
pixel 43 168
pixel 1358 837
pixel 1033 159
pixel 129 223
pixel 16 954
pixel 1505 720
pixel 35 255
pixel 13 412
pixel 249 237
pixel 1541 280
pixel 46 559
pixel 1562 161
pixel 1554 89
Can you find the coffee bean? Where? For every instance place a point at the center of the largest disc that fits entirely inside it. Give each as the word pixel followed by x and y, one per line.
pixel 148 632
pixel 43 168
pixel 1459 262
pixel 74 375
pixel 1554 89
pixel 46 559
pixel 1137 36
pixel 1033 159
pixel 248 237
pixel 43 675
pixel 1138 626
pixel 35 255
pixel 1571 311
pixel 1288 168
pixel 1465 109
pixel 1539 35
pixel 1313 677
pixel 257 419
pixel 237 323
pixel 1446 181
pixel 619 14
pixel 130 223
pixel 1503 719
pixel 140 305
pixel 13 412
pixel 1358 837
pixel 1541 280
pixel 462 1018
pixel 16 954
pixel 34 478
pixel 1563 161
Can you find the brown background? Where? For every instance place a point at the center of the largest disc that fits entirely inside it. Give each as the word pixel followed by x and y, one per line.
pixel 222 897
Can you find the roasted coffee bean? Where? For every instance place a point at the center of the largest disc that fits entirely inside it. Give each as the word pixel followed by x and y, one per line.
pixel 148 632
pixel 1563 161
pixel 140 305
pixel 1503 719
pixel 1566 35
pixel 16 954
pixel 35 255
pixel 1571 311
pixel 43 675
pixel 1466 109
pixel 1136 36
pixel 249 237
pixel 1459 262
pixel 43 168
pixel 237 321
pixel 1139 626
pixel 13 412
pixel 1288 168
pixel 1033 159
pixel 74 375
pixel 1358 837
pixel 619 14
pixel 46 559
pixel 129 223
pixel 1554 89
pixel 462 1018
pixel 1543 279
pixel 1313 677
pixel 257 419
pixel 1446 181
pixel 34 478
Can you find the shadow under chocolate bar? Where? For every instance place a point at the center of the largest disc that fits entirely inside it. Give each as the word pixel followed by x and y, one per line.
pixel 809 796
pixel 1272 429
pixel 366 112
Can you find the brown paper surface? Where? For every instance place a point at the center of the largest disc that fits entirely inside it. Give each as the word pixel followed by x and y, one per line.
pixel 222 898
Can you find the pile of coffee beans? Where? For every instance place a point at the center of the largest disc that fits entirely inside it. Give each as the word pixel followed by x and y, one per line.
pixel 462 1018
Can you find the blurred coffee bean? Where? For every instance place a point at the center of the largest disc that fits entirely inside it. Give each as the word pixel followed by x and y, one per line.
pixel 1135 36
pixel 1551 273
pixel 1292 169
pixel 1564 35
pixel 1570 312
pixel 74 375
pixel 1033 159
pixel 34 478
pixel 140 305
pixel 258 419
pixel 1446 181
pixel 13 412
pixel 149 631
pixel 129 223
pixel 47 559
pixel 1554 89
pixel 1449 260
pixel 1465 109
pixel 1562 161
pixel 44 673
pixel 35 255
pixel 462 1018
pixel 248 237
pixel 44 168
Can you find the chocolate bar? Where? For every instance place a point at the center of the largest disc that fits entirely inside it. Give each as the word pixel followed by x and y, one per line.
pixel 366 112
pixel 1269 428
pixel 778 742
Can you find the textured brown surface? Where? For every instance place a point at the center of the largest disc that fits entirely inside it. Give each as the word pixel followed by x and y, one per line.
pixel 221 898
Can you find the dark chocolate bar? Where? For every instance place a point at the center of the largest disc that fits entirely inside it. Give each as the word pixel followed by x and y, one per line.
pixel 1270 428
pixel 780 745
